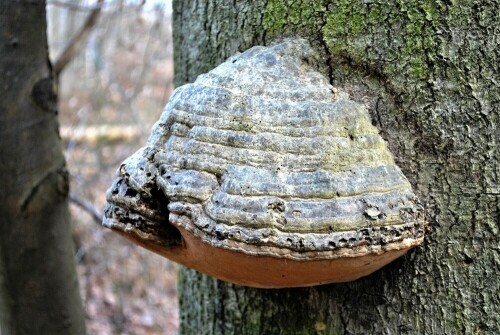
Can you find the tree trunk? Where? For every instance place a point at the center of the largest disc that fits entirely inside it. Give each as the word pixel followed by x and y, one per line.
pixel 429 73
pixel 38 284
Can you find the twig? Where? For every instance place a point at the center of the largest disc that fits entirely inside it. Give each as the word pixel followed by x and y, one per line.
pixel 78 40
pixel 88 207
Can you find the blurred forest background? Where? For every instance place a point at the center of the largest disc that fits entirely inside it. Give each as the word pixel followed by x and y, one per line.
pixel 110 94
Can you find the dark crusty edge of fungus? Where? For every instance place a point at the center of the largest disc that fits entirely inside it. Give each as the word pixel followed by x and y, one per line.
pixel 163 231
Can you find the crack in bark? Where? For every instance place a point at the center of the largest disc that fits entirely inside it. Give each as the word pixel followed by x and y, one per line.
pixel 46 180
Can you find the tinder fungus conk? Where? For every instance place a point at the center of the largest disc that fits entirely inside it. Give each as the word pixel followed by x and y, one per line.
pixel 261 174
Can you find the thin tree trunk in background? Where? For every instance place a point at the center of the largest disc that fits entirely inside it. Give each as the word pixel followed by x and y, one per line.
pixel 429 73
pixel 38 283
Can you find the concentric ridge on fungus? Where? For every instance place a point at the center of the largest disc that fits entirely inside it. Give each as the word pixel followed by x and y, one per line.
pixel 263 157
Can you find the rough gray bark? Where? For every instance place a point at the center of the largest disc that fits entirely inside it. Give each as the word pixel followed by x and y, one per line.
pixel 38 284
pixel 428 71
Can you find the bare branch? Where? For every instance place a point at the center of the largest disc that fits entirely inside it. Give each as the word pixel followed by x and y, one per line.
pixel 78 40
pixel 88 207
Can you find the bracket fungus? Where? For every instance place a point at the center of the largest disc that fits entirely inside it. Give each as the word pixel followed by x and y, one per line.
pixel 262 174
